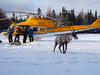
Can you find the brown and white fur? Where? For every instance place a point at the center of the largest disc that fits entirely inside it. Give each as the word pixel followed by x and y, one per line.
pixel 15 43
pixel 64 39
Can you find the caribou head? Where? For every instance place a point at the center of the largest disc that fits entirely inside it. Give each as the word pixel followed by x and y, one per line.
pixel 74 35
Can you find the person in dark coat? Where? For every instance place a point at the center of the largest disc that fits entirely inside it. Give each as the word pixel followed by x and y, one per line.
pixel 10 38
pixel 25 32
pixel 30 31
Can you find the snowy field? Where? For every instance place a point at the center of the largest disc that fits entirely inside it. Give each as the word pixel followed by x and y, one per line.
pixel 38 58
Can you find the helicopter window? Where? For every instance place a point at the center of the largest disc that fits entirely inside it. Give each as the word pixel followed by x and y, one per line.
pixel 35 29
pixel 43 29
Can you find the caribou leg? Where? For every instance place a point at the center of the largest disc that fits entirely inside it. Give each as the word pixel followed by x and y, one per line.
pixel 60 47
pixel 55 46
pixel 65 47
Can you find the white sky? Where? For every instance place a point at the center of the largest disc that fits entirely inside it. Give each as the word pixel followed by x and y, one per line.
pixel 33 5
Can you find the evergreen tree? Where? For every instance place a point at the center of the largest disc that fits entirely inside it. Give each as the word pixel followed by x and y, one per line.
pixel 85 19
pixel 13 19
pixel 20 20
pixel 64 12
pixel 39 12
pixel 68 18
pixel 27 16
pixel 90 17
pixel 16 20
pixel 72 17
pixel 53 14
pixel 95 15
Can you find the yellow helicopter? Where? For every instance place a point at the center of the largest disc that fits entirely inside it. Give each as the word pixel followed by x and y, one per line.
pixel 47 28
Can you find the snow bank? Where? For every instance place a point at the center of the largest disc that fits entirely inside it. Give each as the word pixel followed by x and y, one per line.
pixel 2 37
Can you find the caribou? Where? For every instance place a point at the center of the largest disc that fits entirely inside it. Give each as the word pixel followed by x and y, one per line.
pixel 64 39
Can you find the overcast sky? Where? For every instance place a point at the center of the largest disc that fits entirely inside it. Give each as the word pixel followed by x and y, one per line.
pixel 33 5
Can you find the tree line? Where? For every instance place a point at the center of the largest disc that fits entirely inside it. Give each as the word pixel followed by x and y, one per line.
pixel 69 17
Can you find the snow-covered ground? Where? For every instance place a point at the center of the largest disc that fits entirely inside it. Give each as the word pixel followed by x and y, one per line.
pixel 38 58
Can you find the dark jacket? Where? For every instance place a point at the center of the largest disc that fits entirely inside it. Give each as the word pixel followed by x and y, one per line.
pixel 25 32
pixel 10 32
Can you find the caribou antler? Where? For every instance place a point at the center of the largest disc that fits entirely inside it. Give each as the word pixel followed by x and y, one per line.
pixel 73 30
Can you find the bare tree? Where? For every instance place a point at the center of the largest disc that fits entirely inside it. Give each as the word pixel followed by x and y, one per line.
pixel 4 22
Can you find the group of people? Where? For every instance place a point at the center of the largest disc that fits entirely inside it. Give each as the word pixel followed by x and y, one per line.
pixel 18 31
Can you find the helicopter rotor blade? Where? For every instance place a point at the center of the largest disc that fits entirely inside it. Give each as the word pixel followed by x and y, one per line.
pixel 28 13
pixel 16 12
pixel 51 18
pixel 3 19
pixel 20 15
pixel 72 12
